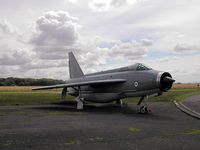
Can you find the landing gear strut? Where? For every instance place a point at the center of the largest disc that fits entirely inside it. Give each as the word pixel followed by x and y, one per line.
pixel 79 103
pixel 79 100
pixel 119 102
pixel 144 109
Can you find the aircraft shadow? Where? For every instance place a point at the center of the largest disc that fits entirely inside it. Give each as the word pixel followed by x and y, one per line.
pixel 106 108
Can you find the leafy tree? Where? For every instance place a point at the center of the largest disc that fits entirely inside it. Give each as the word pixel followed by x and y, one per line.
pixel 28 82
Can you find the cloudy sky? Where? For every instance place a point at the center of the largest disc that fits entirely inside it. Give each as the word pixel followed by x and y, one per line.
pixel 36 35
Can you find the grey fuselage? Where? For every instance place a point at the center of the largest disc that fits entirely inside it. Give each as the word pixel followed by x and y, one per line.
pixel 138 83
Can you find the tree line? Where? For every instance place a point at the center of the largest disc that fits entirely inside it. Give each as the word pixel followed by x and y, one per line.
pixel 28 82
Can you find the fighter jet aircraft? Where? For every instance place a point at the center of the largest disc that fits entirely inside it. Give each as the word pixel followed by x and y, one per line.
pixel 136 80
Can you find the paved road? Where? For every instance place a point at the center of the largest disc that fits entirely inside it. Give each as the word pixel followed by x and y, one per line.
pixel 98 127
pixel 193 102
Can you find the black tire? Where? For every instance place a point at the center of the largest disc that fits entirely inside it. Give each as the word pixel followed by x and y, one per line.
pixel 143 110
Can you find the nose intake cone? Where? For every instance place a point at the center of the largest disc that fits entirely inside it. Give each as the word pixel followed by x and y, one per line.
pixel 165 81
pixel 168 79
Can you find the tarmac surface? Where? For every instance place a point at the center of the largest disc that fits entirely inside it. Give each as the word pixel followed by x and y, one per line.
pixel 193 103
pixel 99 127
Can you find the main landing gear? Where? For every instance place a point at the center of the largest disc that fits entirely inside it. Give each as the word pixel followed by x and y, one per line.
pixel 79 100
pixel 144 109
pixel 79 103
pixel 119 102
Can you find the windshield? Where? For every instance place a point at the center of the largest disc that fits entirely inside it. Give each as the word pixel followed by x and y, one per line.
pixel 143 67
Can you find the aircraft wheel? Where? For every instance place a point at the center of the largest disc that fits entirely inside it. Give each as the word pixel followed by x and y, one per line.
pixel 143 110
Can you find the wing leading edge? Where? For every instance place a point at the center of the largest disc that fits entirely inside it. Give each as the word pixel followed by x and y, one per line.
pixel 82 83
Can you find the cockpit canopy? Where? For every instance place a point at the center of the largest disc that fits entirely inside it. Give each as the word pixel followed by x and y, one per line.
pixel 138 67
pixel 135 67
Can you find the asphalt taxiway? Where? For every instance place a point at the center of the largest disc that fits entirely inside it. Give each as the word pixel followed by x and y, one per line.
pixel 193 102
pixel 98 126
pixel 190 106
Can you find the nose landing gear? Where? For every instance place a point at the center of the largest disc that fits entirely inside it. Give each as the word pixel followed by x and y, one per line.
pixel 144 109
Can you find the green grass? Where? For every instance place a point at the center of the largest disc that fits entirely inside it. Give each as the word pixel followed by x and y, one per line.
pixel 72 143
pixel 32 91
pixel 11 98
pixel 96 139
pixel 134 129
pixel 174 94
pixel 193 132
pixel 24 98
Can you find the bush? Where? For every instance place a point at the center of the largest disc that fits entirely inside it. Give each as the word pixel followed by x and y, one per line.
pixel 28 82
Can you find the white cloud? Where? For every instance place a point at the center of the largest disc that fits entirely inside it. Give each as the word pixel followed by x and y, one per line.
pixel 6 27
pixel 44 64
pixel 164 59
pixel 73 1
pixel 124 2
pixel 130 51
pixel 10 71
pixel 56 28
pixel 14 57
pixel 106 5
pixel 56 34
pixel 4 71
pixel 146 42
pixel 117 2
pixel 51 52
pixel 99 5
pixel 183 47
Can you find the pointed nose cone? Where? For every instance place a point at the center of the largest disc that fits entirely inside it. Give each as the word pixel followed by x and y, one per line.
pixel 168 79
pixel 165 81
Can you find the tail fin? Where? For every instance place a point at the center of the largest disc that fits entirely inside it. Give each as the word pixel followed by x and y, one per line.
pixel 74 68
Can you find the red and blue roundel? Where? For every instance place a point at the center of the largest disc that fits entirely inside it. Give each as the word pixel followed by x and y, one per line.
pixel 136 84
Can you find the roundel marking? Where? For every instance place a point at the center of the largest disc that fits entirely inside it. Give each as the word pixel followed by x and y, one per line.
pixel 136 84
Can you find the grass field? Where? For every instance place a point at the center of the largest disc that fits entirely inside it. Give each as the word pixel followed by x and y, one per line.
pixel 13 95
pixel 182 86
pixel 23 89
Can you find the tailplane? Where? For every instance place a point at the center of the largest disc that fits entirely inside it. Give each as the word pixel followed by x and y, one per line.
pixel 74 68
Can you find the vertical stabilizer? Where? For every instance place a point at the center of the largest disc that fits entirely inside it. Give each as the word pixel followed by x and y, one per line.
pixel 74 68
